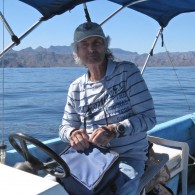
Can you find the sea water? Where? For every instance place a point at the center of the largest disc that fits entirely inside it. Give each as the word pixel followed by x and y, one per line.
pixel 34 98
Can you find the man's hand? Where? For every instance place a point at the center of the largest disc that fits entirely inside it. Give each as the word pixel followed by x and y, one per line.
pixel 102 135
pixel 79 140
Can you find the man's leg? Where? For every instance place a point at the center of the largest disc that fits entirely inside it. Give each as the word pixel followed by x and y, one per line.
pixel 131 180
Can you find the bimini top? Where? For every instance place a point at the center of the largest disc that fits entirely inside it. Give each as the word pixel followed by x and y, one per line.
pixel 160 10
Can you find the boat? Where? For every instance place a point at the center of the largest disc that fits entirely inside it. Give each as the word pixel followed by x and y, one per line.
pixel 175 137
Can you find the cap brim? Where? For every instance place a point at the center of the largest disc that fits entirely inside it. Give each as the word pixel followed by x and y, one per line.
pixel 91 36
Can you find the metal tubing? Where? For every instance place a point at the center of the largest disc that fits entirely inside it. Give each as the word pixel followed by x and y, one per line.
pixel 112 15
pixel 151 51
pixel 21 37
pixel 86 12
pixel 6 24
pixel 121 8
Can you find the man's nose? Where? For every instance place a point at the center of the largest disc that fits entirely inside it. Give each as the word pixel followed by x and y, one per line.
pixel 91 48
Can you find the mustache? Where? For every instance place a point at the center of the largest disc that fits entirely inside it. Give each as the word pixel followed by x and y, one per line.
pixel 94 53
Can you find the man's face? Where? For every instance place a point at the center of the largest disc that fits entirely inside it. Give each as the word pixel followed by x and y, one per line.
pixel 91 50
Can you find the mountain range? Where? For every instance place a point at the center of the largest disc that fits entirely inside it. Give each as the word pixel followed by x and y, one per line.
pixel 61 56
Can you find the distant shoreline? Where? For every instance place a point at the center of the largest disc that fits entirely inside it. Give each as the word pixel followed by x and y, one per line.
pixel 61 56
pixel 168 66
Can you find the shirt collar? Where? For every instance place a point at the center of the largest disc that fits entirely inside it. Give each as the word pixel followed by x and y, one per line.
pixel 110 69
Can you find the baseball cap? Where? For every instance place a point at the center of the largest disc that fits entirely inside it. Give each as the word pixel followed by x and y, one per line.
pixel 86 30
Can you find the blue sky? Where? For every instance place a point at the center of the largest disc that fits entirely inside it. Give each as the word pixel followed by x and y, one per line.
pixel 129 30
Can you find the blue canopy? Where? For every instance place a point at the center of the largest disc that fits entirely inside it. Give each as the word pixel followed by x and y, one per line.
pixel 160 10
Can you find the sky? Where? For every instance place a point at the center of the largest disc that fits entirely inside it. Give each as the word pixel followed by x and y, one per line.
pixel 129 30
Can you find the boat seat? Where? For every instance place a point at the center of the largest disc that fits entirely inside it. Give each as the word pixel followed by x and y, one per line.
pixel 152 171
pixel 174 161
pixel 178 153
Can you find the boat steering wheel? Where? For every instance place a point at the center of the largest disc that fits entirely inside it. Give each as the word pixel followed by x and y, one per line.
pixel 19 142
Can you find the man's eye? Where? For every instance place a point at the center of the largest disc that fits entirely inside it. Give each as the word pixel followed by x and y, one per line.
pixel 83 46
pixel 98 43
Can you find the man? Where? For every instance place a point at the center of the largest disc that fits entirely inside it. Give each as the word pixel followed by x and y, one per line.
pixel 109 106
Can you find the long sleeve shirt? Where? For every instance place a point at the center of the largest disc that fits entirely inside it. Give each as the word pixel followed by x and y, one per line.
pixel 121 96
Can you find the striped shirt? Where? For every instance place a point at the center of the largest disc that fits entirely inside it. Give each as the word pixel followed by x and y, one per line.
pixel 121 96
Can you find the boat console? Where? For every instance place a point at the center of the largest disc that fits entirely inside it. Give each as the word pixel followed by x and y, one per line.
pixel 14 181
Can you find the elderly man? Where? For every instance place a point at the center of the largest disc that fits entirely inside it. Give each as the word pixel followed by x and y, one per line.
pixel 108 106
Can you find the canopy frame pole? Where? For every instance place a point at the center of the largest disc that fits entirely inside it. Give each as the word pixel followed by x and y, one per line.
pixel 13 36
pixel 87 16
pixel 112 15
pixel 118 10
pixel 6 24
pixel 21 37
pixel 152 49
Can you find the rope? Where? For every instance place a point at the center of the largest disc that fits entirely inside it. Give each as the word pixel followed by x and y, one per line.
pixel 180 85
pixel 193 159
pixel 3 81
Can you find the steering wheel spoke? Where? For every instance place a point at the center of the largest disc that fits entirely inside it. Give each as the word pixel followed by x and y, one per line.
pixel 25 151
pixel 50 167
pixel 35 162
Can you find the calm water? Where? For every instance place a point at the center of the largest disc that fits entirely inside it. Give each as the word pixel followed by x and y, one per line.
pixel 35 97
